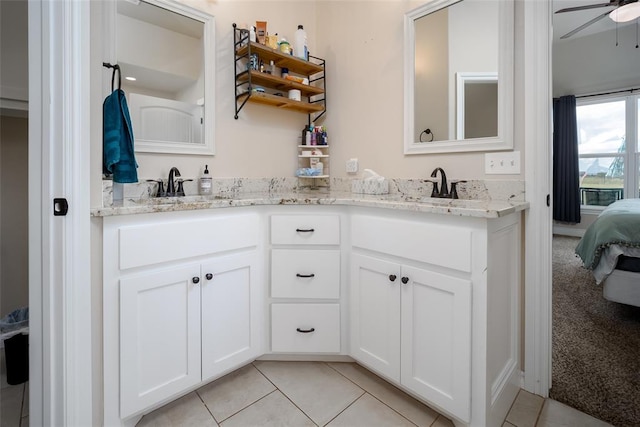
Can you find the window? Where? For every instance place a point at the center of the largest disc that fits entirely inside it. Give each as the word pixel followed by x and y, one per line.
pixel 609 166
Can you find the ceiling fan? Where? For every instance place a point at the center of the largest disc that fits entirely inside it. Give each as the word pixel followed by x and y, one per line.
pixel 624 10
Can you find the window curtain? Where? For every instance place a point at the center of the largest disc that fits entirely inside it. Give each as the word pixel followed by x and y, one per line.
pixel 566 172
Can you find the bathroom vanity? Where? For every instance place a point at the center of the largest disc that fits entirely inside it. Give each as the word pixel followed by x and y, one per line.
pixel 407 288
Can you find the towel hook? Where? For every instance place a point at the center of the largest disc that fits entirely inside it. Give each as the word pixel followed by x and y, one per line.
pixel 115 67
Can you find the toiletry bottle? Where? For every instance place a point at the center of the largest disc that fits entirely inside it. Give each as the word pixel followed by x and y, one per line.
pixel 205 187
pixel 252 33
pixel 308 136
pixel 300 44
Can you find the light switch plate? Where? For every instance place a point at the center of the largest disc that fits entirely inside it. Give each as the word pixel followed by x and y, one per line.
pixel 504 163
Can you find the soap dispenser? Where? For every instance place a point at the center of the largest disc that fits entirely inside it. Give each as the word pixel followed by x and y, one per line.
pixel 205 184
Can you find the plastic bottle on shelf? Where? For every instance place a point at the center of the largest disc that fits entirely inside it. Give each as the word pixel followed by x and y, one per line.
pixel 300 44
pixel 252 33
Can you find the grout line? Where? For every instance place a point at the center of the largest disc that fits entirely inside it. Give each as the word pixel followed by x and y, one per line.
pixel 511 407
pixel 544 402
pixel 380 400
pixel 347 407
pixel 283 393
pixel 205 405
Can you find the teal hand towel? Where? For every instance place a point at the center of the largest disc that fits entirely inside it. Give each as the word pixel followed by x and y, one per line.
pixel 117 139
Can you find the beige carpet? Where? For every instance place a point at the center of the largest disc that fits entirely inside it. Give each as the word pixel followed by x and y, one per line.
pixel 596 344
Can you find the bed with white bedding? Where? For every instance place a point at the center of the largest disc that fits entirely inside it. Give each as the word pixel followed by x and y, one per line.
pixel 611 249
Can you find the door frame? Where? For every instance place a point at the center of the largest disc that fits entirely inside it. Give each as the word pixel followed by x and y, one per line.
pixel 538 224
pixel 59 255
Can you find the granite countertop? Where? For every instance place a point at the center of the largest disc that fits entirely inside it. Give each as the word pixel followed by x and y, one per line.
pixel 458 207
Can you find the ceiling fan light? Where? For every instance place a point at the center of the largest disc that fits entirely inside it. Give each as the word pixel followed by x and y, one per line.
pixel 626 13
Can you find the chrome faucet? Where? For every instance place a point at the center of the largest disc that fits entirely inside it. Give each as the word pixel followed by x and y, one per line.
pixel 444 190
pixel 171 185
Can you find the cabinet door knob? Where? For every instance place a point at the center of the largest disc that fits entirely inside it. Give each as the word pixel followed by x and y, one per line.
pixel 405 280
pixel 195 280
pixel 305 275
pixel 305 331
pixel 304 230
pixel 393 277
pixel 209 276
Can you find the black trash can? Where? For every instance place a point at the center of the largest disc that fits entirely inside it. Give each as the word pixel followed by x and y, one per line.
pixel 14 332
pixel 16 354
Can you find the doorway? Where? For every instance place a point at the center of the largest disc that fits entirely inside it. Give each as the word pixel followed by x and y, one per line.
pixel 14 227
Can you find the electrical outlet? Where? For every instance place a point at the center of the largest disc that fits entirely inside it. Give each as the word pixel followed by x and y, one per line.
pixel 352 166
pixel 506 163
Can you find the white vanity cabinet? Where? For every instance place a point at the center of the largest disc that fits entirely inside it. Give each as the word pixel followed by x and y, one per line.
pixel 305 283
pixel 413 326
pixel 433 308
pixel 185 300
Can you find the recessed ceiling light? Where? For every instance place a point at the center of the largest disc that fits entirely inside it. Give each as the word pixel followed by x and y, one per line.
pixel 133 79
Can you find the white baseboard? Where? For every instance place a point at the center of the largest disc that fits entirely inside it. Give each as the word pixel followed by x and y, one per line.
pixel 568 231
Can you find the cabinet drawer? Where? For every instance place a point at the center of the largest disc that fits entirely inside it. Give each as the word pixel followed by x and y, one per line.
pixel 177 239
pixel 305 229
pixel 437 244
pixel 308 273
pixel 305 328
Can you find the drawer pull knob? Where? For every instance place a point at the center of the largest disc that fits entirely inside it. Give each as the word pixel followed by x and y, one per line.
pixel 209 276
pixel 405 280
pixel 195 280
pixel 305 331
pixel 305 275
pixel 304 230
pixel 392 277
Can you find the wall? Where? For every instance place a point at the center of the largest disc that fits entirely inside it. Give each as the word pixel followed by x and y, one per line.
pixel 592 64
pixel 365 97
pixel 14 268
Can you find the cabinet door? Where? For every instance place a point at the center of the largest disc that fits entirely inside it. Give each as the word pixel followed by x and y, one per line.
pixel 375 314
pixel 159 336
pixel 436 339
pixel 231 312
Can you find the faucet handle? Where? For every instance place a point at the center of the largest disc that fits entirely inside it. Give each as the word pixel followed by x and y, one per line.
pixel 180 190
pixel 435 191
pixel 160 192
pixel 454 188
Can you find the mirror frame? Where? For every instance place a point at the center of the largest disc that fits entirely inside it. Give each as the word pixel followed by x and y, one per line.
pixel 208 145
pixel 504 139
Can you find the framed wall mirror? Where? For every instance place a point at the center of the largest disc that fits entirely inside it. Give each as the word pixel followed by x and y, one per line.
pixel 166 52
pixel 459 76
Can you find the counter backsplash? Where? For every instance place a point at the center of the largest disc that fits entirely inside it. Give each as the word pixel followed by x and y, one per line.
pixel 229 187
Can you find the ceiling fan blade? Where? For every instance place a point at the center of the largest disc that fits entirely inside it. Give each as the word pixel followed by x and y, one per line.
pixel 585 25
pixel 612 3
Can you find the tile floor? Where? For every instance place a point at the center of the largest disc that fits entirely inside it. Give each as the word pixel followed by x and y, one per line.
pixel 14 402
pixel 267 393
pixel 307 394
